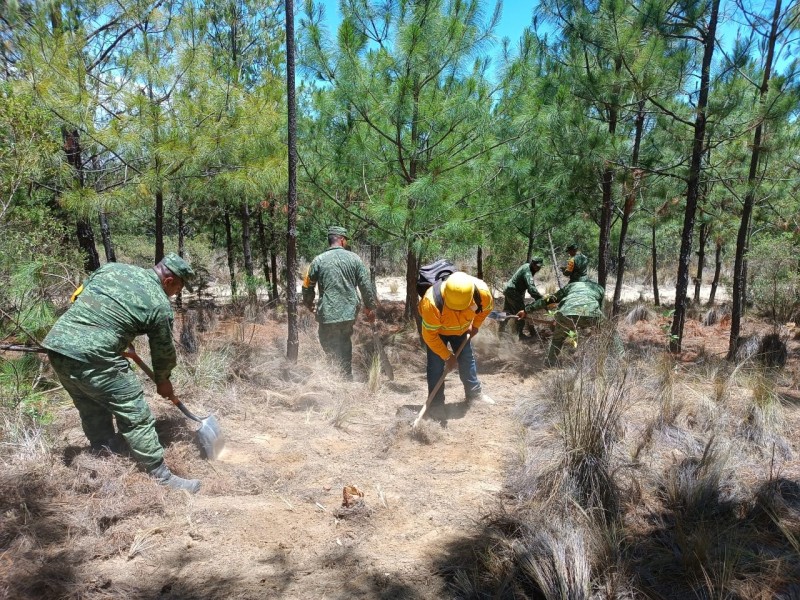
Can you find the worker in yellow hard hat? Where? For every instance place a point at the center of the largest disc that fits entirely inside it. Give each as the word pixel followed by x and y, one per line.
pixel 452 310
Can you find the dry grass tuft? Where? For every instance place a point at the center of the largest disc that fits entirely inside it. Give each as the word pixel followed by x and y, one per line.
pixel 640 312
pixel 554 556
pixel 714 315
pixel 768 350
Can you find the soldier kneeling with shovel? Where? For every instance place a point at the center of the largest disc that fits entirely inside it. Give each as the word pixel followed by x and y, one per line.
pixel 87 347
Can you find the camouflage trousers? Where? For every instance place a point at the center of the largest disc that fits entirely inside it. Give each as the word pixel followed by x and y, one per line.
pixel 563 326
pixel 108 391
pixel 512 304
pixel 336 341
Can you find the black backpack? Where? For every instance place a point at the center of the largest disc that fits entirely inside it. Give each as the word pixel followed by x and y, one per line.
pixel 433 275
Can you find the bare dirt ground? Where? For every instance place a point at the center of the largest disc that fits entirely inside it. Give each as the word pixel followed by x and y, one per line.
pixel 269 521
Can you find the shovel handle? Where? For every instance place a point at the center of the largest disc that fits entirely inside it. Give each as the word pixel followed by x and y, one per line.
pixel 174 399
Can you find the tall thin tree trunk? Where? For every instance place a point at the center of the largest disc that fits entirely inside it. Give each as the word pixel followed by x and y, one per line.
pixel 247 251
pixel 717 271
pixel 105 234
pixel 84 231
pixel 293 342
pixel 412 267
pixel 630 201
pixel 607 185
pixel 701 260
pixel 230 251
pixel 181 247
pixel 262 242
pixel 374 254
pixel 531 225
pixel 273 257
pixel 105 228
pixel 654 260
pixel 159 214
pixel 693 186
pixel 480 262
pixel 742 238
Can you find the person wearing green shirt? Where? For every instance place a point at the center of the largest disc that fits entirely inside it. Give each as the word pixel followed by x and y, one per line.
pixel 514 292
pixel 340 275
pixel 87 347
pixel 576 265
pixel 580 306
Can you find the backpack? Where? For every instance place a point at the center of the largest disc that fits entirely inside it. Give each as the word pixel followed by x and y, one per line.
pixel 433 275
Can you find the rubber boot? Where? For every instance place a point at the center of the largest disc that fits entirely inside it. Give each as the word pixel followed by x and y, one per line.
pixel 164 476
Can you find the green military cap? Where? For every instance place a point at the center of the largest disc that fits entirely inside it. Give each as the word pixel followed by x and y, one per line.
pixel 336 230
pixel 537 260
pixel 180 268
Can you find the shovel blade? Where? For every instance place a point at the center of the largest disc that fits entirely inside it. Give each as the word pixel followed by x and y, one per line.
pixel 210 437
pixel 501 316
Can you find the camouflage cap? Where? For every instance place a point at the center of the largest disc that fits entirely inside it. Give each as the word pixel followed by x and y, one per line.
pixel 537 260
pixel 336 230
pixel 180 268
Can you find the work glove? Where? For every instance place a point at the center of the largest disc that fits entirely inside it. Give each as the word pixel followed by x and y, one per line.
pixel 370 315
pixel 521 314
pixel 451 363
pixel 472 331
pixel 310 306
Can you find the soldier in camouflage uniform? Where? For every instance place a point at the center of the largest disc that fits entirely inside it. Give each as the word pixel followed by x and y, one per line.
pixel 521 281
pixel 87 347
pixel 579 306
pixel 577 264
pixel 339 273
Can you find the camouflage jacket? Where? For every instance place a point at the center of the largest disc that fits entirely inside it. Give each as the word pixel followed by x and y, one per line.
pixel 118 303
pixel 577 299
pixel 339 273
pixel 520 282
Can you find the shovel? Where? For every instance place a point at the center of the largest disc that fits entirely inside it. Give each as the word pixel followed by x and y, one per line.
pixel 436 387
pixel 501 316
pixel 209 435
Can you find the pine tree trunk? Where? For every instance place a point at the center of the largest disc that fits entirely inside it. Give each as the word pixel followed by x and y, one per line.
pixel 630 201
pixel 742 238
pixel 159 214
pixel 531 225
pixel 105 233
pixel 247 251
pixel 412 267
pixel 480 262
pixel 84 231
pixel 262 243
pixel 374 254
pixel 654 260
pixel 273 256
pixel 701 260
pixel 717 271
pixel 181 248
pixel 693 186
pixel 293 342
pixel 230 252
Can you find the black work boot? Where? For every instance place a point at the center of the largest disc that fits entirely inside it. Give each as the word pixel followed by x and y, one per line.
pixel 165 477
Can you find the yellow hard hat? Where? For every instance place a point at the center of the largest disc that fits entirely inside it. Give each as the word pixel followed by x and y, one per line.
pixel 458 290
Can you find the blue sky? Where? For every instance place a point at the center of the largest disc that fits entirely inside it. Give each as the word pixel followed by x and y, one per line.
pixel 516 15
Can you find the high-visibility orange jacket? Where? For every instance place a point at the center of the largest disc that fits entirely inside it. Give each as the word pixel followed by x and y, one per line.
pixel 436 323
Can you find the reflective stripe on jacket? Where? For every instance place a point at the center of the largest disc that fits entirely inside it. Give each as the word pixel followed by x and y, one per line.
pixel 451 322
